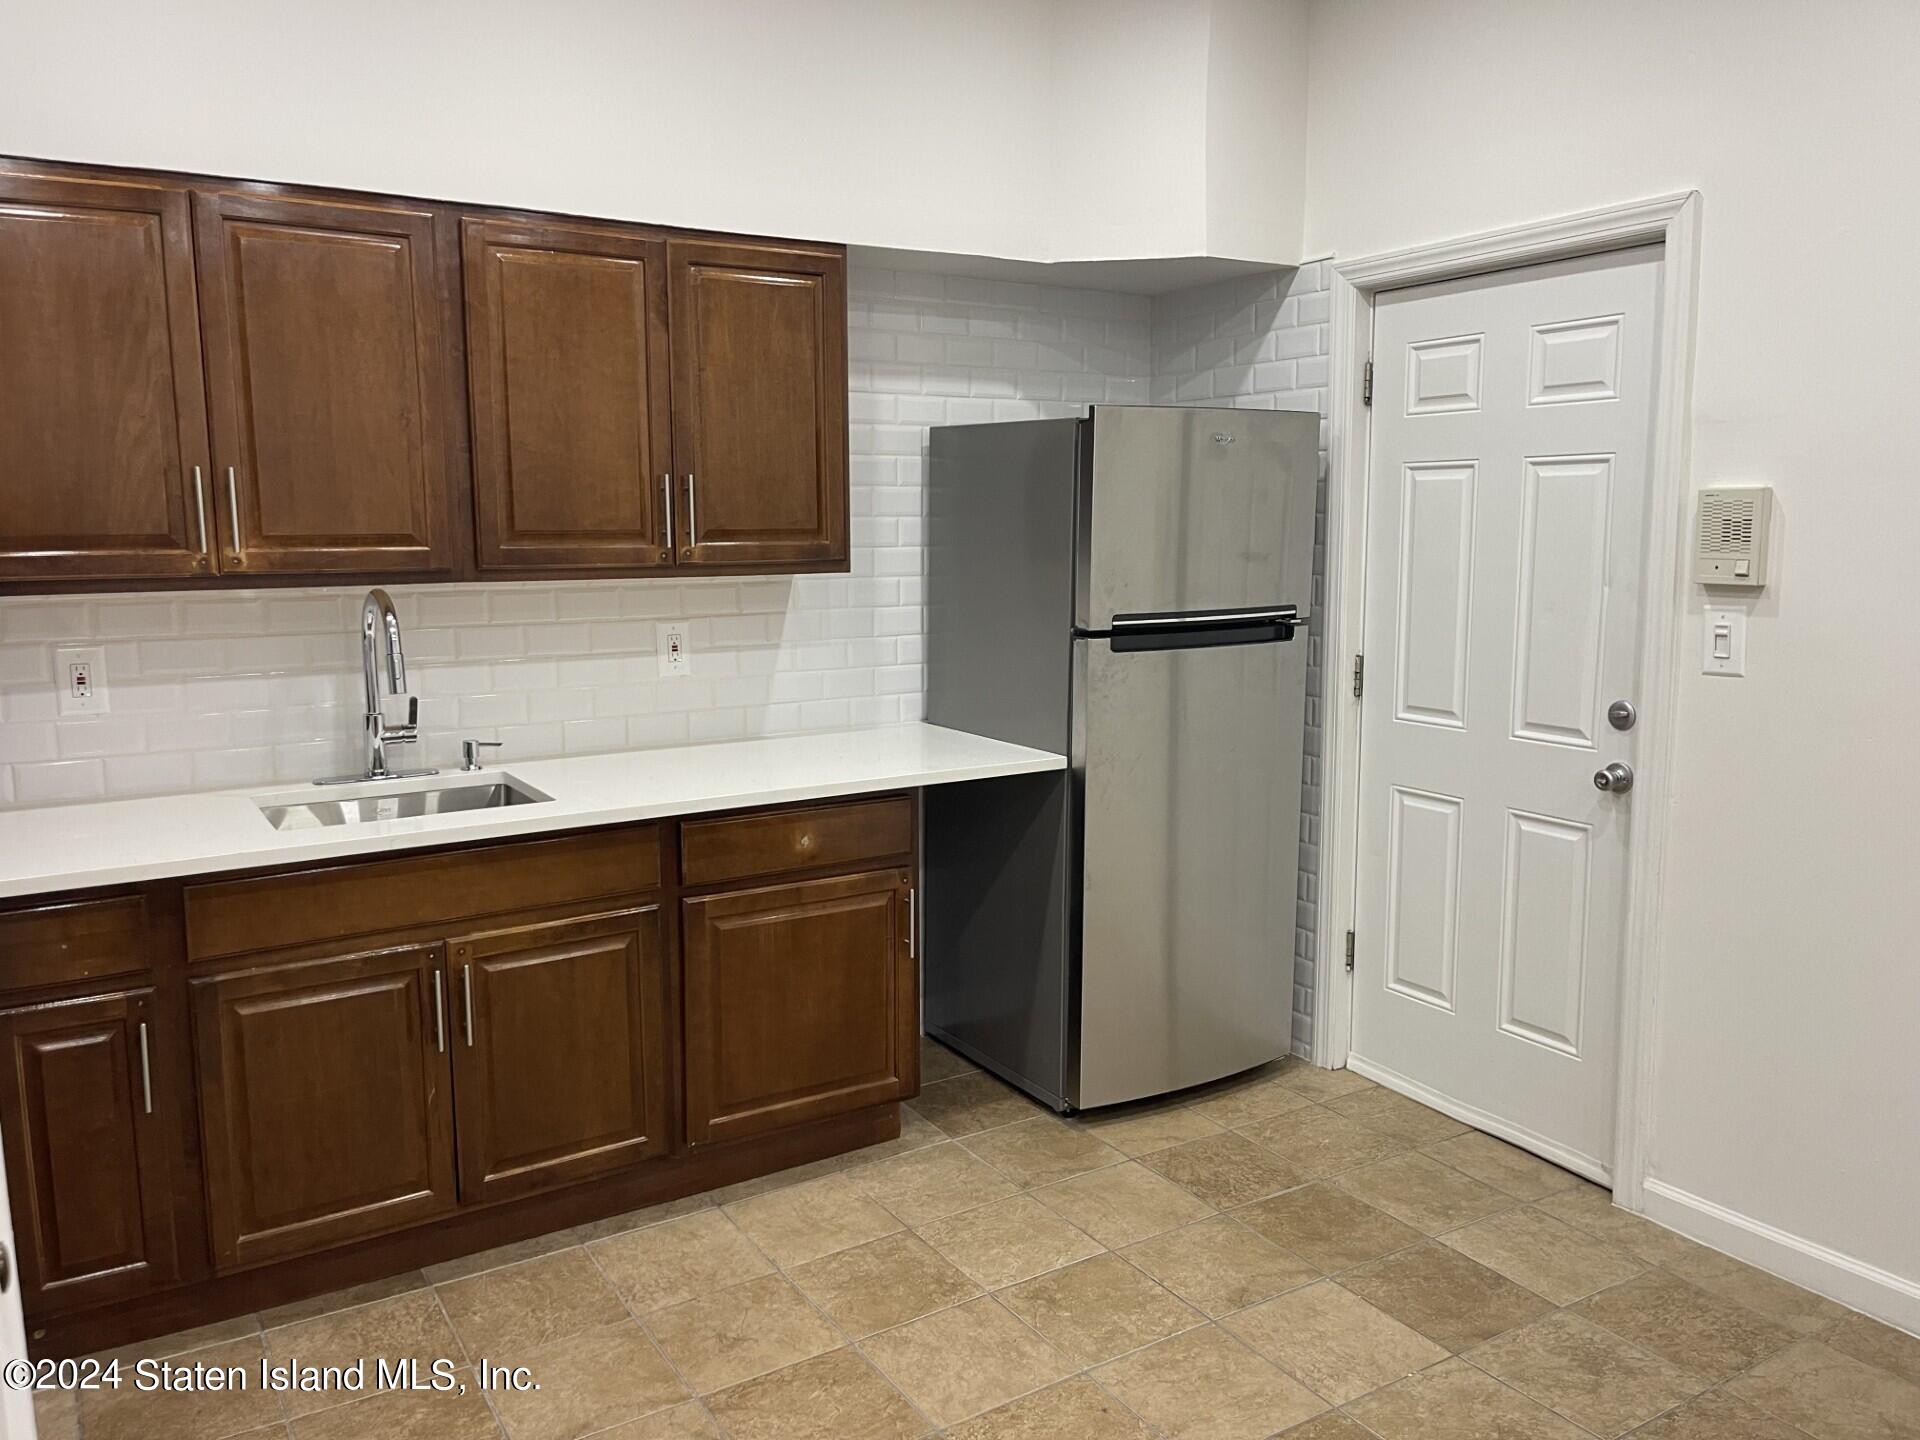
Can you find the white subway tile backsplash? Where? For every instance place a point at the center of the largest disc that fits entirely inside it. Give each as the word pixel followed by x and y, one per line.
pixel 58 781
pixel 101 735
pixel 181 657
pixel 234 766
pixel 27 741
pixel 44 620
pixel 147 774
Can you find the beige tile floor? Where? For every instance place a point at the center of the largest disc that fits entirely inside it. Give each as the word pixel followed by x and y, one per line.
pixel 1294 1252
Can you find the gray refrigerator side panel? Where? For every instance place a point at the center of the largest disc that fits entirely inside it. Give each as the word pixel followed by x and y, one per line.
pixel 1000 518
pixel 995 926
pixel 997 900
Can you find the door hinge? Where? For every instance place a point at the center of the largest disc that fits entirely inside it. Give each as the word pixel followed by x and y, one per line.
pixel 1349 952
pixel 1359 675
pixel 1366 384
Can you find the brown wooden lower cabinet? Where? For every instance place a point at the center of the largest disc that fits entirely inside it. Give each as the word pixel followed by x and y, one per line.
pixel 87 1150
pixel 527 1035
pixel 560 1053
pixel 325 1108
pixel 802 1001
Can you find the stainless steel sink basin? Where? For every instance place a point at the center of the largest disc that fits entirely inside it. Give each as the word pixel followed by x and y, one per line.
pixel 284 813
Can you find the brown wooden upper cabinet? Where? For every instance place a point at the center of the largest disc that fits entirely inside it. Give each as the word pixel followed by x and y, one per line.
pixel 206 378
pixel 328 341
pixel 103 432
pixel 567 375
pixel 760 404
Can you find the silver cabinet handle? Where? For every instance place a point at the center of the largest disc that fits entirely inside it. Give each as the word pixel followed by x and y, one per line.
pixel 200 504
pixel 666 493
pixel 466 981
pixel 910 924
pixel 146 1070
pixel 693 525
pixel 233 510
pixel 439 1013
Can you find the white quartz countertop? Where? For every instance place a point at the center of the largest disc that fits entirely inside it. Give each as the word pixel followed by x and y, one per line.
pixel 71 847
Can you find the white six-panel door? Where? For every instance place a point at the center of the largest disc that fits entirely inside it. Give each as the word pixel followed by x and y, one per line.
pixel 1505 514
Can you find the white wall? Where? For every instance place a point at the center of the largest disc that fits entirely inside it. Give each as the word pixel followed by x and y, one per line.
pixel 1788 1048
pixel 1033 129
pixel 1257 127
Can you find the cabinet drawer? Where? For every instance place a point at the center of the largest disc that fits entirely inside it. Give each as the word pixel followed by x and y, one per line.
pixel 86 940
pixel 233 917
pixel 780 841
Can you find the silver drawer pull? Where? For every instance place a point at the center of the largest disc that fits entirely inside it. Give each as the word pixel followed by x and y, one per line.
pixel 200 504
pixel 146 1070
pixel 233 509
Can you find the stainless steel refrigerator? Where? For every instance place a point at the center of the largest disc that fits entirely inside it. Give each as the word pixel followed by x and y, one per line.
pixel 1131 589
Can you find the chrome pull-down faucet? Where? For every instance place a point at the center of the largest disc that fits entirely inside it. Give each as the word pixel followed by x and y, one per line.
pixel 380 629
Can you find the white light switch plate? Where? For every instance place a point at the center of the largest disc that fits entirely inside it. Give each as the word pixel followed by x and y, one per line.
pixel 1723 646
pixel 80 673
pixel 672 645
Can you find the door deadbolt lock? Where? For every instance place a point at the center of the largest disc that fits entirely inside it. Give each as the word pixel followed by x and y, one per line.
pixel 1616 777
pixel 1621 715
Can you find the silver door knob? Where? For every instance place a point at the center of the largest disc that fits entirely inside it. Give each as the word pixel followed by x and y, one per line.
pixel 1615 777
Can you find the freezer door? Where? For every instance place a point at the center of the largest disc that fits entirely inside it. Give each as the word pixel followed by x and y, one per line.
pixel 1188 762
pixel 1196 509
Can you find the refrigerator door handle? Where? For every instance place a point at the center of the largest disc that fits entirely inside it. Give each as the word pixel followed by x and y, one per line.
pixel 1192 629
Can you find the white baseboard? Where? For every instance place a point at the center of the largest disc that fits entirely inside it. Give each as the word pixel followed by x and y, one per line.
pixel 1808 1264
pixel 1519 1135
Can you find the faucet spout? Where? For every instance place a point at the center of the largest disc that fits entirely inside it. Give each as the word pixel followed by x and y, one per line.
pixel 380 632
pixel 382 604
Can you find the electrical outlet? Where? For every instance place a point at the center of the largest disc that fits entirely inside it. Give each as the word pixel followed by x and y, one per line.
pixel 82 676
pixel 672 646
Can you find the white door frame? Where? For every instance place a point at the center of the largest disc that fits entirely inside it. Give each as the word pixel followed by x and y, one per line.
pixel 1673 222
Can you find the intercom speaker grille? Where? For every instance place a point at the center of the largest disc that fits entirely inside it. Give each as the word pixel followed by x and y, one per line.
pixel 1726 523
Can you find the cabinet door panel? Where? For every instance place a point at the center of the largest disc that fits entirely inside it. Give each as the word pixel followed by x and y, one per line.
pixel 561 1056
pixel 86 1155
pixel 802 1001
pixel 104 422
pixel 760 403
pixel 327 368
pixel 568 375
pixel 325 1102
